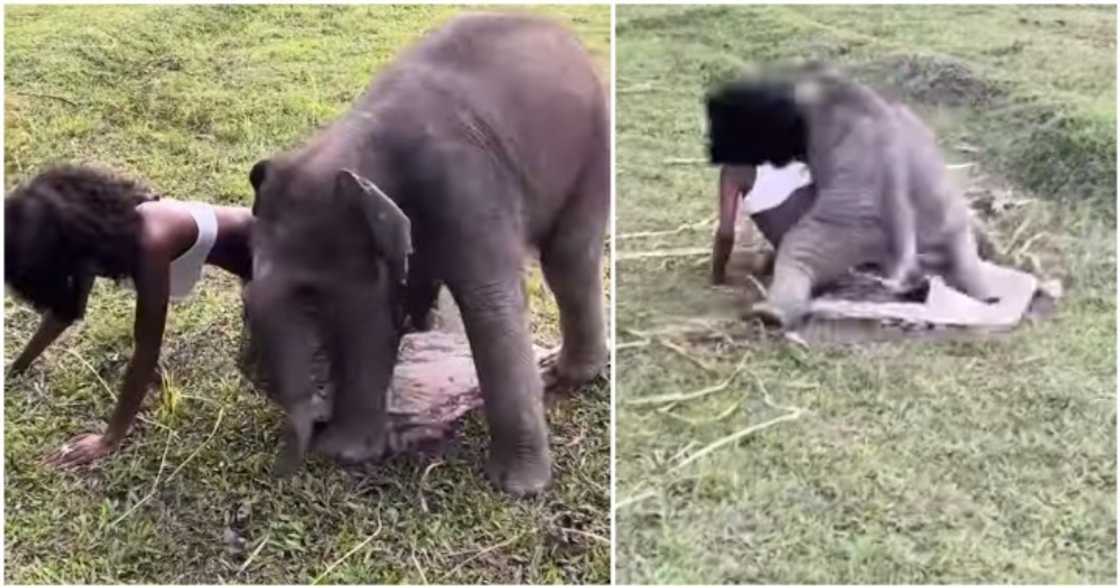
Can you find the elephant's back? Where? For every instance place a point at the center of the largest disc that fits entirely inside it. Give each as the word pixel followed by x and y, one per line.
pixel 521 88
pixel 478 42
pixel 509 63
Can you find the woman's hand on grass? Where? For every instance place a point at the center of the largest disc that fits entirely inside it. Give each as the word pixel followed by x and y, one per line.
pixel 81 450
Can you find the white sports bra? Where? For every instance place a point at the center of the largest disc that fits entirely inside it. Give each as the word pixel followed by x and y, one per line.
pixel 186 269
pixel 772 185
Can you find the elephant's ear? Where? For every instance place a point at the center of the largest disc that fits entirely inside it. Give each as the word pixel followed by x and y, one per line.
pixel 256 175
pixel 256 178
pixel 392 231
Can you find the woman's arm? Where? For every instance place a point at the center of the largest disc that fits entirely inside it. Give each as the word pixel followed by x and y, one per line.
pixel 50 328
pixel 734 181
pixel 152 289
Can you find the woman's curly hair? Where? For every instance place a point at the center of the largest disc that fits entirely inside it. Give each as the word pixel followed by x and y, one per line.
pixel 66 221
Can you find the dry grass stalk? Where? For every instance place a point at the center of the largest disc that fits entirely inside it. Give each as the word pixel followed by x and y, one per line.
pixel 635 499
pixel 254 554
pixel 685 354
pixel 662 253
pixel 683 397
pixel 734 437
pixel 730 410
pixel 483 552
pixel 352 551
pixel 681 229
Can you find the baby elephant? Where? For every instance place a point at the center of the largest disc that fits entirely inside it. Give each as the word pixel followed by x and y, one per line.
pixel 882 192
pixel 487 140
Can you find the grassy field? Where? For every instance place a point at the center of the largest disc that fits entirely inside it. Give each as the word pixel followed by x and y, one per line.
pixel 914 462
pixel 189 99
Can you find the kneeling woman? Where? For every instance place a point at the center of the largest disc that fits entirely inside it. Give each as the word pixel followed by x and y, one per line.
pixel 70 225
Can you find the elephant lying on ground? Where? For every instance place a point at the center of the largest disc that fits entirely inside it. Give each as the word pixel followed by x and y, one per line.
pixel 882 190
pixel 735 185
pixel 487 140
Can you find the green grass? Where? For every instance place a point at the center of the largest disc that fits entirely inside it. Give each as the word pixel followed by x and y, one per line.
pixel 915 462
pixel 188 98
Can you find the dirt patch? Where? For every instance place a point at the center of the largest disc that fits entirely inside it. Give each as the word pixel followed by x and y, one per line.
pixel 930 79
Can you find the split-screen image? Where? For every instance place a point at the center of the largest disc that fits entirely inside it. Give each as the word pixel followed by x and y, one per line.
pixel 582 294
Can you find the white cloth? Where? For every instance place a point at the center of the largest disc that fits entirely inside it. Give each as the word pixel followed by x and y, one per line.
pixel 187 268
pixel 772 185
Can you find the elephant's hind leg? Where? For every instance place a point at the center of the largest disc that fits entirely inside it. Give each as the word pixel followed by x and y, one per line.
pixel 572 263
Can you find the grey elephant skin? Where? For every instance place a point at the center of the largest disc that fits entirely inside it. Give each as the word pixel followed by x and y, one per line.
pixel 775 222
pixel 882 192
pixel 486 141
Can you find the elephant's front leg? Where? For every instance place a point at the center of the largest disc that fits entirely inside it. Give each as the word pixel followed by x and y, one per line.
pixel 493 310
pixel 363 353
pixel 966 272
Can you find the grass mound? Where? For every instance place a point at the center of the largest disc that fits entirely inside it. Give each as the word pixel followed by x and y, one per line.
pixel 1060 148
pixel 1060 152
pixel 933 80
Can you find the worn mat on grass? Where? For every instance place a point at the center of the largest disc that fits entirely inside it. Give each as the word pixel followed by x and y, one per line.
pixel 434 385
pixel 860 308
